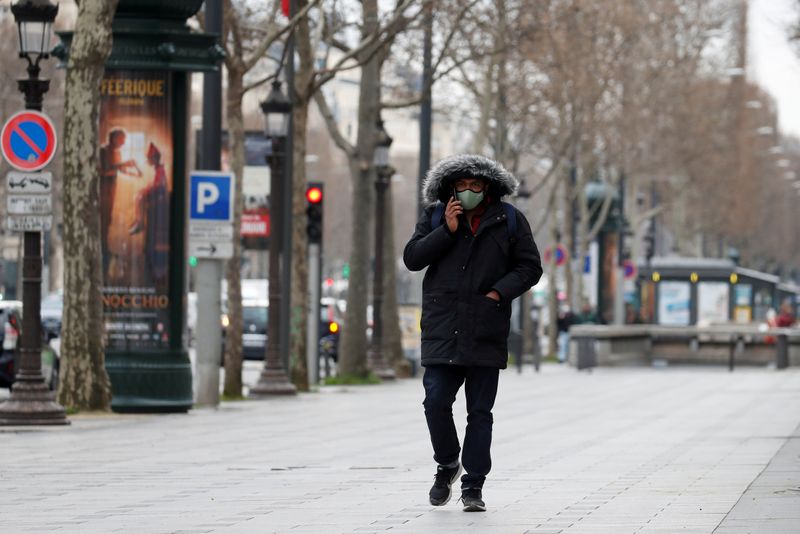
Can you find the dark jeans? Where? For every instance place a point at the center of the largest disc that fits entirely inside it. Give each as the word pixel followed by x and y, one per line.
pixel 442 382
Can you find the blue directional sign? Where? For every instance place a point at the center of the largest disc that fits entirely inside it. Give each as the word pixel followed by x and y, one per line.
pixel 211 196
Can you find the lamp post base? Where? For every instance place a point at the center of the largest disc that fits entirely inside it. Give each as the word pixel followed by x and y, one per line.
pixel 386 374
pixel 272 382
pixel 32 404
pixel 379 367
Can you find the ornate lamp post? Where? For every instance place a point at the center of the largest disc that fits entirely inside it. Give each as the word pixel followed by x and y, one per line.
pixel 383 175
pixel 31 402
pixel 276 108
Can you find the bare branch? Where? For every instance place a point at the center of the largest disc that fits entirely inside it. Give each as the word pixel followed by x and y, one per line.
pixel 273 36
pixel 333 128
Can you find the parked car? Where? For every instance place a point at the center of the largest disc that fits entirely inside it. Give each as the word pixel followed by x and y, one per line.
pixel 255 314
pixel 10 326
pixel 11 321
pixel 52 311
pixel 331 312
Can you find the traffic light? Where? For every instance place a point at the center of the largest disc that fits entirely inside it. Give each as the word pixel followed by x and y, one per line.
pixel 314 197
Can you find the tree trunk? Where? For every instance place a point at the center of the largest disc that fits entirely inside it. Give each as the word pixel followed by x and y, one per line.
pixel 298 311
pixel 353 344
pixel 298 325
pixel 55 259
pixel 392 336
pixel 569 229
pixel 353 352
pixel 84 382
pixel 233 269
pixel 552 300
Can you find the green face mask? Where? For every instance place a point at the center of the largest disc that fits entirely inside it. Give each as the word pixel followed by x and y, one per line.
pixel 469 199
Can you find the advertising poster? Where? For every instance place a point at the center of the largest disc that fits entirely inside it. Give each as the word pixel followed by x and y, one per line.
pixel 743 294
pixel 674 299
pixel 136 157
pixel 712 302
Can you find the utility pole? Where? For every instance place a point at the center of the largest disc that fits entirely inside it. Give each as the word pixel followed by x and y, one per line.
pixel 288 189
pixel 426 108
pixel 208 274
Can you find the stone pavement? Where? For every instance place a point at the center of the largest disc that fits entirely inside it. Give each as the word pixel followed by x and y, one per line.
pixel 613 451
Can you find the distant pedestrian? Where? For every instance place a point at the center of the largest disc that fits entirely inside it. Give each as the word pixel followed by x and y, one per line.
pixel 632 315
pixel 564 321
pixel 786 318
pixel 587 315
pixel 480 255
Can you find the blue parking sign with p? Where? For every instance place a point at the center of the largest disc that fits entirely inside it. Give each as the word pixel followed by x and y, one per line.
pixel 211 196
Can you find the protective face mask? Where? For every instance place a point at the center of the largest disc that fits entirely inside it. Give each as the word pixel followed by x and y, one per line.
pixel 469 199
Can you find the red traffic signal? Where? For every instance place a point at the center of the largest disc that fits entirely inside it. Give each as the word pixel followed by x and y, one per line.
pixel 314 195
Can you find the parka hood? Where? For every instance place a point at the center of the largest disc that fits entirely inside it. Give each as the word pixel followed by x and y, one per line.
pixel 438 181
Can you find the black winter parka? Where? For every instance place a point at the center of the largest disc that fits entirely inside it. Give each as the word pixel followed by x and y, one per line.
pixel 460 324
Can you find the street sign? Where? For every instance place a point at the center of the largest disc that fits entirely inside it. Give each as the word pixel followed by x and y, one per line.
pixel 630 269
pixel 255 224
pixel 29 182
pixel 29 205
pixel 210 232
pixel 218 251
pixel 29 223
pixel 561 255
pixel 211 196
pixel 28 140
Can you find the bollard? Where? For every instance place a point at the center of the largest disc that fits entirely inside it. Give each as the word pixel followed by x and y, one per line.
pixel 782 351
pixel 587 357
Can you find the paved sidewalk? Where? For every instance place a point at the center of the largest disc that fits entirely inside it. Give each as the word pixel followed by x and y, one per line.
pixel 613 451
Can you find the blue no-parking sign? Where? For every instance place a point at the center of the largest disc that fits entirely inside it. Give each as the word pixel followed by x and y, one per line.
pixel 211 196
pixel 28 140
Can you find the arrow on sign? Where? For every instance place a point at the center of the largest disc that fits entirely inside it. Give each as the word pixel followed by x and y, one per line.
pixel 211 249
pixel 23 183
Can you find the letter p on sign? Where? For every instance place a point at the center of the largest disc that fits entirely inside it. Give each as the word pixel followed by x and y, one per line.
pixel 208 194
pixel 211 196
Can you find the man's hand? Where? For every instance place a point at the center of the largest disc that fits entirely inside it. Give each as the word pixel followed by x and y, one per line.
pixel 494 295
pixel 451 213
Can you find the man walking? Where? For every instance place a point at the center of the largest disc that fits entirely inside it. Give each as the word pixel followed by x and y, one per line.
pixel 480 255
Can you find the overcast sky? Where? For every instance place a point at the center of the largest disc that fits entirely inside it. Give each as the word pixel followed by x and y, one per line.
pixel 774 63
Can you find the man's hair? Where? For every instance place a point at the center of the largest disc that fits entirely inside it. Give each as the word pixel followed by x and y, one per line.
pixel 115 133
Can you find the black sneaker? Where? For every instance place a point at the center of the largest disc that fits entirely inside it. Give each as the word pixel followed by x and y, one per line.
pixel 445 476
pixel 472 501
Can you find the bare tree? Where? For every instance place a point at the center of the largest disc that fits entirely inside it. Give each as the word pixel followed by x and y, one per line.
pixel 84 382
pixel 249 33
pixel 370 54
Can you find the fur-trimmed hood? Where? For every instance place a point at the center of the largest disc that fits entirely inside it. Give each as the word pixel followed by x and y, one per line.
pixel 437 184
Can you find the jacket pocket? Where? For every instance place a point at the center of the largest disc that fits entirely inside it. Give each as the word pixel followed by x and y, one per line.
pixel 438 315
pixel 492 319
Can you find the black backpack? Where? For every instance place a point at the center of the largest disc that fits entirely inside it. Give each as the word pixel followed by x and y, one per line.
pixel 511 218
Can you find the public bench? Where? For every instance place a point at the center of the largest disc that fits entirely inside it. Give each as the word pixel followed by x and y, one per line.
pixel 616 345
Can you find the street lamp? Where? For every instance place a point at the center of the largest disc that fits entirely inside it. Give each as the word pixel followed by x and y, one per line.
pixel 34 20
pixel 383 176
pixel 276 108
pixel 31 402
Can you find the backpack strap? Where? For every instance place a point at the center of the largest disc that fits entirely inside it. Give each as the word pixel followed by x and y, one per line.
pixel 511 220
pixel 437 215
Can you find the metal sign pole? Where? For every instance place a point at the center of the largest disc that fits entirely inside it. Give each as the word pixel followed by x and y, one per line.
pixel 31 402
pixel 208 274
pixel 312 335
